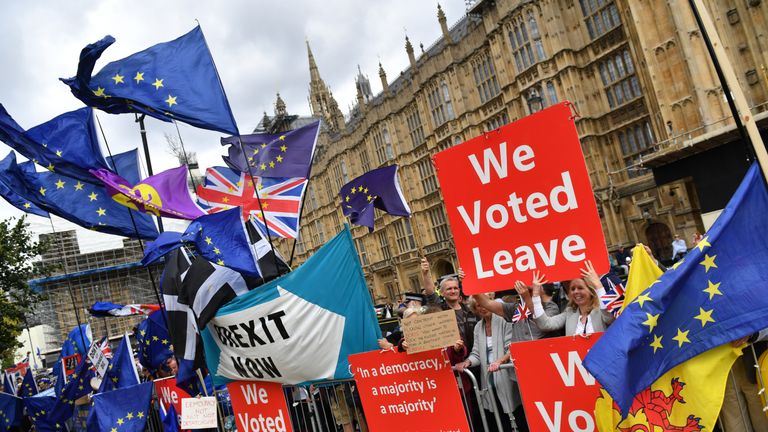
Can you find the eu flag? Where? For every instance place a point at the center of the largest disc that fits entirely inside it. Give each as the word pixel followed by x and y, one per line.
pixel 274 155
pixel 174 80
pixel 73 344
pixel 85 204
pixel 121 371
pixel 79 385
pixel 66 144
pixel 39 409
pixel 20 203
pixel 705 300
pixel 375 189
pixel 125 410
pixel 221 238
pixel 28 385
pixel 153 343
pixel 10 410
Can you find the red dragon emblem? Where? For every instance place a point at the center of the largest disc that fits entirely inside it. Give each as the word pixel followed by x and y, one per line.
pixel 657 408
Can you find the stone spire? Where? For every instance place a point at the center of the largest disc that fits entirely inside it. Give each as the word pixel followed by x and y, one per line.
pixel 321 101
pixel 409 50
pixel 364 93
pixel 280 108
pixel 383 76
pixel 443 24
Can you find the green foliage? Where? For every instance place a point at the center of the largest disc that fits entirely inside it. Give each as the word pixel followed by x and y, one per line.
pixel 18 250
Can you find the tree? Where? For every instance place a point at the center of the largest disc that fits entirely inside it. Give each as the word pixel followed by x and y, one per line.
pixel 18 251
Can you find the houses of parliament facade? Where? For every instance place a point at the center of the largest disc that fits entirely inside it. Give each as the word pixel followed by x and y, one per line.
pixel 637 72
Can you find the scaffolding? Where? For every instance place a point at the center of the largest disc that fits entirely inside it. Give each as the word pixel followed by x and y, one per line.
pixel 114 275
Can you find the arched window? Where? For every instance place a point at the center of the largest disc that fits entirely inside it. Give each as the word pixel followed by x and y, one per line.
pixel 552 93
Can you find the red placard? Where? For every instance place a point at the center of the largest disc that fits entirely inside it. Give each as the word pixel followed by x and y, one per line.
pixel 70 363
pixel 259 406
pixel 169 393
pixel 415 392
pixel 519 200
pixel 558 392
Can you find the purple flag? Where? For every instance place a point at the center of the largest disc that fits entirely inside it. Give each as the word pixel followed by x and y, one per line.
pixel 378 188
pixel 165 194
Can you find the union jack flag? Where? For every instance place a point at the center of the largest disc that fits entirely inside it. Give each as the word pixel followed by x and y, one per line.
pixel 613 299
pixel 521 312
pixel 280 197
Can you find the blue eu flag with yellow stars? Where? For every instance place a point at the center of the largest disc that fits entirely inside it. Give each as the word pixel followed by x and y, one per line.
pixel 78 385
pixel 379 189
pixel 10 411
pixel 28 385
pixel 85 204
pixel 18 201
pixel 709 298
pixel 39 409
pixel 124 410
pixel 152 341
pixel 174 80
pixel 221 238
pixel 121 371
pixel 67 144
pixel 287 154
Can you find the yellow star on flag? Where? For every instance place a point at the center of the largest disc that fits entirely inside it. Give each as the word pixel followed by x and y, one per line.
pixel 217 251
pixel 155 338
pixel 709 262
pixel 113 430
pixel 208 240
pixel 171 101
pixel 642 298
pixel 704 316
pixel 353 190
pixel 93 196
pixel 49 167
pixel 220 262
pixel 279 158
pixel 129 415
pixel 59 153
pixel 346 199
pixel 99 92
pixel 164 341
pixel 712 289
pixel 703 243
pixel 101 211
pixel 79 186
pixel 42 191
pixel 120 421
pixel 271 164
pixel 656 344
pixel 59 184
pixel 263 145
pixel 282 138
pixel 139 77
pixel 27 205
pixel 681 338
pixel 118 78
pixel 255 151
pixel 158 83
pixel 263 167
pixel 283 148
pixel 140 414
pixel 651 321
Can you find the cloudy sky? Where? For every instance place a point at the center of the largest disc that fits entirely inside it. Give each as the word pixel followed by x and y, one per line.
pixel 258 46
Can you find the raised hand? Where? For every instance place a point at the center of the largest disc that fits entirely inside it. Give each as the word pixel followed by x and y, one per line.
pixel 460 274
pixel 424 265
pixel 590 275
pixel 539 280
pixel 458 345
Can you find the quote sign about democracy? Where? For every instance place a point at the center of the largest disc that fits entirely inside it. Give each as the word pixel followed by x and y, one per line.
pixel 408 392
pixel 519 200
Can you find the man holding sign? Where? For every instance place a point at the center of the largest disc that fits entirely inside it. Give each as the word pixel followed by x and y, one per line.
pixel 519 200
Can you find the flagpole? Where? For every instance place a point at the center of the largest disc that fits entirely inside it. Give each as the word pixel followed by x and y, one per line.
pixel 186 158
pixel 745 122
pixel 69 288
pixel 138 237
pixel 143 133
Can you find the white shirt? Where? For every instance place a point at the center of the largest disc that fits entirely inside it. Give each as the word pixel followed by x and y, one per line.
pixel 582 328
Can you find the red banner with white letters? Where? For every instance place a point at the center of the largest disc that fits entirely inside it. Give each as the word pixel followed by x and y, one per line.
pixel 170 394
pixel 259 406
pixel 558 393
pixel 408 392
pixel 519 200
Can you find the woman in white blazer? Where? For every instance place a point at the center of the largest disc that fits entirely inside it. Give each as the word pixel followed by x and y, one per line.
pixel 585 314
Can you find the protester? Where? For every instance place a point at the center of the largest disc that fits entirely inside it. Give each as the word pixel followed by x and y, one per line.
pixel 623 257
pixel 697 237
pixel 451 300
pixel 584 313
pixel 679 248
pixel 492 337
pixel 742 408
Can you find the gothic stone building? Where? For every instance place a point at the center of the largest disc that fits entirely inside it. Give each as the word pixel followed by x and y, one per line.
pixel 637 71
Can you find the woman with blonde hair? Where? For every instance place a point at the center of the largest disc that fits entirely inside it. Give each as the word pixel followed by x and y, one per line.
pixel 585 314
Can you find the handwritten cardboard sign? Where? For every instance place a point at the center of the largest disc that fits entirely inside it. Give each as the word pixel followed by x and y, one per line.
pixel 198 413
pixel 431 331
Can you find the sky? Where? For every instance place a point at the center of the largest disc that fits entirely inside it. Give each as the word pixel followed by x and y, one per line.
pixel 259 49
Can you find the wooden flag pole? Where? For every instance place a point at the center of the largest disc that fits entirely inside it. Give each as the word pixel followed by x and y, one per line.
pixel 730 84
